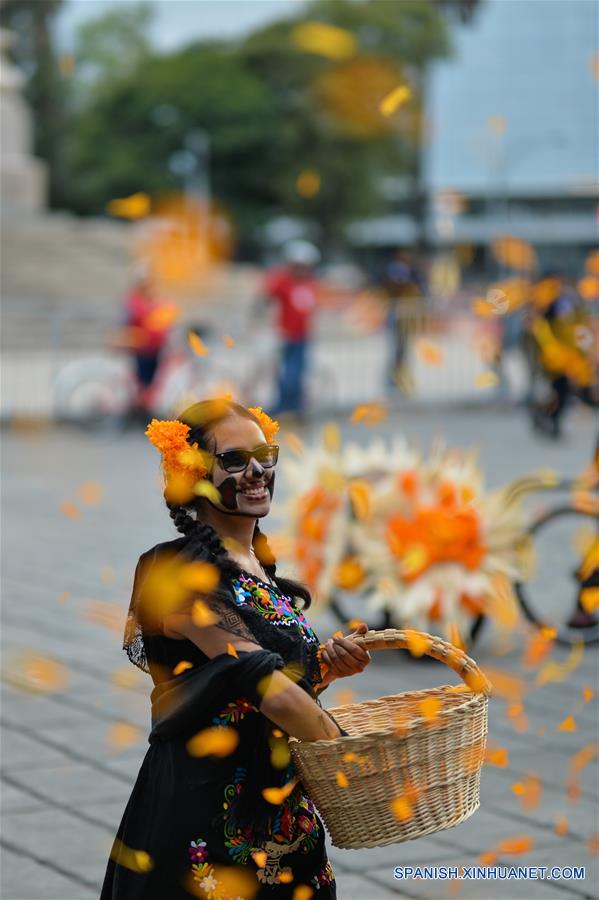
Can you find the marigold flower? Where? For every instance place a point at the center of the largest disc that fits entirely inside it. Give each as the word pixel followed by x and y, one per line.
pixel 170 438
pixel 269 426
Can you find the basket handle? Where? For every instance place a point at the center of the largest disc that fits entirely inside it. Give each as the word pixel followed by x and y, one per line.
pixel 419 643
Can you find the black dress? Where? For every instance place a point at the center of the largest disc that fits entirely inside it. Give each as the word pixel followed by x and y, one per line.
pixel 201 826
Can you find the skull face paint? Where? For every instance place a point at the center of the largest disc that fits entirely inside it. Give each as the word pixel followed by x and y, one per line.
pixel 249 492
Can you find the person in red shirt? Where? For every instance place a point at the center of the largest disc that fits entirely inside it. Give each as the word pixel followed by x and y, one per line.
pixel 293 289
pixel 148 321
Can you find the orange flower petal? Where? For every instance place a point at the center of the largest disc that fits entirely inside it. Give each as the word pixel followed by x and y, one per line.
pixel 215 741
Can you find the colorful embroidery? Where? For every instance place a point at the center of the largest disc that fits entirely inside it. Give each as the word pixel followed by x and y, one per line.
pixel 295 822
pixel 203 875
pixel 272 604
pixel 325 876
pixel 234 712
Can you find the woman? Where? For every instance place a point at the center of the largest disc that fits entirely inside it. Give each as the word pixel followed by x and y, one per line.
pixel 216 810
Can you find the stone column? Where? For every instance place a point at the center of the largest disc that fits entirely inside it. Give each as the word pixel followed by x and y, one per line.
pixel 23 178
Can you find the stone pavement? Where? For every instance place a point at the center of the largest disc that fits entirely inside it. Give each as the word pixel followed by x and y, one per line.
pixel 69 760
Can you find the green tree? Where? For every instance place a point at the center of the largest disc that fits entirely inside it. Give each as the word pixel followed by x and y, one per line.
pixel 273 108
pixel 394 43
pixel 124 140
pixel 113 45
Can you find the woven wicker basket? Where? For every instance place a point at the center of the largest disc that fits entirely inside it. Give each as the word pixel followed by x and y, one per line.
pixel 406 769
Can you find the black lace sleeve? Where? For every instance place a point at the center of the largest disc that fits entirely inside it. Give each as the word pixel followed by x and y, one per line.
pixel 227 617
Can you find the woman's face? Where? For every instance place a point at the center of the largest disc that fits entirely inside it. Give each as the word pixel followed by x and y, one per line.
pixel 246 493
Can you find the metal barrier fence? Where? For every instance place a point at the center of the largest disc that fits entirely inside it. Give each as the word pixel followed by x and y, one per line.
pixel 444 357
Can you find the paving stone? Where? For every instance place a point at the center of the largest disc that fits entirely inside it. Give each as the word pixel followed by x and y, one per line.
pixel 63 840
pixel 71 558
pixel 73 784
pixel 356 887
pixel 23 878
pixel 13 799
pixel 22 752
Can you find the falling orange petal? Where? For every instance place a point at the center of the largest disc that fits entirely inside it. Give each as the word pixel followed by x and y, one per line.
pixel 228 341
pixel 561 825
pixel 568 724
pixel 344 696
pixel 497 757
pixel 108 615
pixel 64 596
pixel 393 100
pixel 182 667
pixel 401 809
pixel 559 671
pixel 341 779
pixel 429 353
pixel 303 892
pixel 276 795
pixel 199 576
pixel 587 694
pixel 123 734
pixel 516 845
pixel 592 845
pixel 505 685
pixel 285 876
pixel 529 791
pixel 417 643
pixel 294 443
pixel 34 672
pixel 69 510
pixel 455 637
pixel 232 651
pixel 369 413
pixel 91 493
pixel 429 707
pixel 488 858
pixel 259 857
pixel 202 615
pixel 197 344
pixel 486 379
pixel 589 599
pixel 135 860
pixel 217 741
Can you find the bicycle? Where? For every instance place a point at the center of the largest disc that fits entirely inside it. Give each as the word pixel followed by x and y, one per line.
pixel 99 392
pixel 563 602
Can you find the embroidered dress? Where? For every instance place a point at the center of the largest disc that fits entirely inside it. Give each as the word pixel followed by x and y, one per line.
pixel 203 821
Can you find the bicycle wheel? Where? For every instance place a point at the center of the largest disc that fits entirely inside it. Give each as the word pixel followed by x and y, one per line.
pixel 551 597
pixel 93 393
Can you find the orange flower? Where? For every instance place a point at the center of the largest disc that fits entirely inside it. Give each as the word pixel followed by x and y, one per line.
pixel 170 438
pixel 447 535
pixel 269 426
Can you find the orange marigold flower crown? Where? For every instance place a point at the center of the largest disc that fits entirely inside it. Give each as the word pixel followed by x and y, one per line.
pixel 178 455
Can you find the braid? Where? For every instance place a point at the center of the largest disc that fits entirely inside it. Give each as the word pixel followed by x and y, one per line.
pixel 183 522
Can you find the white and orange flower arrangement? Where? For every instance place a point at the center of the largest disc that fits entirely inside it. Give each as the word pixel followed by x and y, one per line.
pixel 420 536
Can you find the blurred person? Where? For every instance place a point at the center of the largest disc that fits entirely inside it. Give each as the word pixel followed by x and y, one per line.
pixel 294 289
pixel 148 320
pixel 236 659
pixel 566 353
pixel 404 288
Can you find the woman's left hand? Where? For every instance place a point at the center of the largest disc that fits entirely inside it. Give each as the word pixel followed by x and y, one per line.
pixel 343 657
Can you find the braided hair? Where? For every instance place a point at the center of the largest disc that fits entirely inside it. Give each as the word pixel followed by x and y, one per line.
pixel 204 543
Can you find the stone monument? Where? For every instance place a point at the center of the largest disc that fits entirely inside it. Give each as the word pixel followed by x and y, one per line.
pixel 23 178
